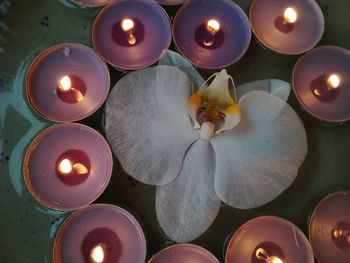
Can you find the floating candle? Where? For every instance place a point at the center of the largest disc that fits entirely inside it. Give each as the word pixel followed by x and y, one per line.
pixel 91 3
pixel 100 233
pixel 321 82
pixel 217 36
pixel 184 253
pixel 329 228
pixel 67 82
pixel 269 239
pixel 62 168
pixel 131 34
pixel 287 26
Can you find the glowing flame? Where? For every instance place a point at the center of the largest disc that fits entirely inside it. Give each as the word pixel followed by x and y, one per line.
pixel 127 24
pixel 274 260
pixel 213 26
pixel 333 81
pixel 290 15
pixel 97 254
pixel 80 168
pixel 65 166
pixel 337 233
pixel 262 254
pixel 65 83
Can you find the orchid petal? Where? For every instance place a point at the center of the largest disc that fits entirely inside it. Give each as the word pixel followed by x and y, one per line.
pixel 187 206
pixel 276 87
pixel 147 123
pixel 172 58
pixel 260 157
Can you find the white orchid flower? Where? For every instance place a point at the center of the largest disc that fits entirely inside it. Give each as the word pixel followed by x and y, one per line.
pixel 244 153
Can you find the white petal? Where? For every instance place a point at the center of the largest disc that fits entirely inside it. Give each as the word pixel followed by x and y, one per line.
pixel 260 157
pixel 147 123
pixel 187 206
pixel 172 58
pixel 276 87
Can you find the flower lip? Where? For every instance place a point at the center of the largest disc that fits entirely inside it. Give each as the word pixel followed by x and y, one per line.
pixel 216 103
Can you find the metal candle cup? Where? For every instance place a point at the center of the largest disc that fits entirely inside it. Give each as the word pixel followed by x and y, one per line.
pixel 67 166
pixel 67 82
pixel 184 253
pixel 269 239
pixel 91 3
pixel 211 33
pixel 100 233
pixel 288 27
pixel 131 34
pixel 321 82
pixel 329 228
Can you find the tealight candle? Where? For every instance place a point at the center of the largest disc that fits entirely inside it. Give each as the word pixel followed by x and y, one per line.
pixel 67 166
pixel 269 239
pixel 91 3
pixel 184 253
pixel 100 233
pixel 287 26
pixel 330 229
pixel 170 2
pixel 321 82
pixel 216 36
pixel 67 82
pixel 131 34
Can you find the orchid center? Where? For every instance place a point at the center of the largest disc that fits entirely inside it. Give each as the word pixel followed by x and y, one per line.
pixel 215 105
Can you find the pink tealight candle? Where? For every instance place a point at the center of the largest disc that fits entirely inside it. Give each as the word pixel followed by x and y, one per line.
pixel 184 253
pixel 91 3
pixel 330 229
pixel 287 26
pixel 100 233
pixel 67 166
pixel 131 34
pixel 67 82
pixel 211 33
pixel 321 82
pixel 269 239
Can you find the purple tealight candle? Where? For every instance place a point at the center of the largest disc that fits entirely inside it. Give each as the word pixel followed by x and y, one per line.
pixel 100 233
pixel 330 229
pixel 288 27
pixel 211 33
pixel 131 34
pixel 91 3
pixel 321 82
pixel 67 82
pixel 67 166
pixel 184 253
pixel 170 2
pixel 269 239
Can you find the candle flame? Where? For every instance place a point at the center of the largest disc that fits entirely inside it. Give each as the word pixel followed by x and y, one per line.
pixel 337 233
pixel 290 15
pixel 97 254
pixel 65 166
pixel 333 81
pixel 274 260
pixel 80 168
pixel 213 26
pixel 262 254
pixel 65 83
pixel 127 24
